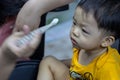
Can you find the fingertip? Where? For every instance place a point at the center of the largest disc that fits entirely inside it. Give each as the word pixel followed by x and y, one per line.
pixel 26 29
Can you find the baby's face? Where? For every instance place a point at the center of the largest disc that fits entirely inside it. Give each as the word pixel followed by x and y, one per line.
pixel 85 33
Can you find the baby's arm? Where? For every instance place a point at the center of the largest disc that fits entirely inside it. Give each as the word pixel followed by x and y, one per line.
pixel 32 11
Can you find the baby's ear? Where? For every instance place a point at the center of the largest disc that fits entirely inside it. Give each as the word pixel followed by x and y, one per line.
pixel 108 41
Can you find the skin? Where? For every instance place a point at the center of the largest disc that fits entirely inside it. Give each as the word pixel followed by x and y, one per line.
pixel 52 69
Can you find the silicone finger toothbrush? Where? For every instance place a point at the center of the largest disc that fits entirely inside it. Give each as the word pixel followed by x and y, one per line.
pixel 29 37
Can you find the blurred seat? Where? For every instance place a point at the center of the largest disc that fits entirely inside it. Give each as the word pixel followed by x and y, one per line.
pixel 25 70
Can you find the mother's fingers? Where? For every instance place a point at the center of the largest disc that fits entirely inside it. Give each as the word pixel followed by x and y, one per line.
pixel 26 29
pixel 28 47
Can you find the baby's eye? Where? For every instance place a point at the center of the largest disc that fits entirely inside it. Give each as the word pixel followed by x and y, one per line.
pixel 74 23
pixel 84 31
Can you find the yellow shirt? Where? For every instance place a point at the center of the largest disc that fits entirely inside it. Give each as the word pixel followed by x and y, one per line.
pixel 104 67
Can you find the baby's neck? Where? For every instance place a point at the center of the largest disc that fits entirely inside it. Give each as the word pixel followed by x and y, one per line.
pixel 85 57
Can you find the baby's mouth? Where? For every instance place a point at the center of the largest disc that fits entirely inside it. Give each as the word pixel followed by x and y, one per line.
pixel 73 41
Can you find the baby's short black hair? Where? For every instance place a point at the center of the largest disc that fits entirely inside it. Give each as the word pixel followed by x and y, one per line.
pixel 9 8
pixel 106 13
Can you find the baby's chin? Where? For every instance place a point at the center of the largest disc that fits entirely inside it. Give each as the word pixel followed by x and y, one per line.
pixel 75 46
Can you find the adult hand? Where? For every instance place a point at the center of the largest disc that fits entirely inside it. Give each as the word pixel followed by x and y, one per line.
pixel 9 47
